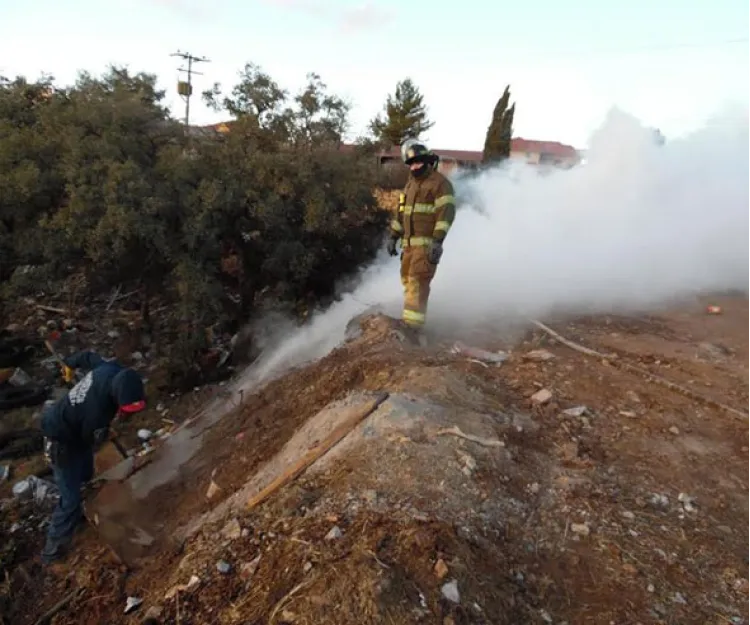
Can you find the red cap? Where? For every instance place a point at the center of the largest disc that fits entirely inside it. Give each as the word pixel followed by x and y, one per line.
pixel 134 407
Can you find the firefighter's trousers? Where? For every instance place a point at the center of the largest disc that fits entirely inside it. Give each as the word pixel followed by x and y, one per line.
pixel 416 274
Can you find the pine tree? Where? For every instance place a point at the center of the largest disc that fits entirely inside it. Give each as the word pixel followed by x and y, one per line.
pixel 497 144
pixel 405 116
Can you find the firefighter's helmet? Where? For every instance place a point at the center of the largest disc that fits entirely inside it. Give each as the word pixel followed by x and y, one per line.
pixel 413 150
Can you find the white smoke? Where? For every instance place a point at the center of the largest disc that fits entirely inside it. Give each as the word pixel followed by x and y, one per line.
pixel 638 225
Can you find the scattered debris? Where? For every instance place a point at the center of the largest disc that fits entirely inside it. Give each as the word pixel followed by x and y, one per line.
pixel 32 487
pixel 688 503
pixel 213 490
pixel 674 430
pixel 450 591
pixel 131 604
pixel 334 533
pixel 223 567
pixel 440 568
pixel 539 355
pixel 145 435
pixel 4 472
pixel 659 501
pixel 232 530
pixel 582 529
pixel 541 397
pixel 479 354
pixel 456 431
pixel 576 411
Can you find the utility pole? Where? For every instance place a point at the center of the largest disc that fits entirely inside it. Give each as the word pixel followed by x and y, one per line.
pixel 185 87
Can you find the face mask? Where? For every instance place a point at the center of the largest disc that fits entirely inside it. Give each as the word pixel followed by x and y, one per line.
pixel 418 173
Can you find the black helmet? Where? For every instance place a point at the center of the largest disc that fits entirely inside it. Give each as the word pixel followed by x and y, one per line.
pixel 413 151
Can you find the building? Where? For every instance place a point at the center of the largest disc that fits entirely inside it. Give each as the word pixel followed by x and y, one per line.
pixel 523 150
pixel 533 152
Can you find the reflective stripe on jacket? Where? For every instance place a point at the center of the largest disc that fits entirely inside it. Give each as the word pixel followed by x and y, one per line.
pixel 427 209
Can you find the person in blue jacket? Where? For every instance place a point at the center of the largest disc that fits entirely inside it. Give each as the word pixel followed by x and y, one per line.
pixel 74 426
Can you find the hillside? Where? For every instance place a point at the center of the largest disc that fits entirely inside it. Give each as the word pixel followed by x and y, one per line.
pixel 611 498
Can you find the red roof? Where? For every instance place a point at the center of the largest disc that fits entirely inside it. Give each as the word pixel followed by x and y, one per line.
pixel 553 148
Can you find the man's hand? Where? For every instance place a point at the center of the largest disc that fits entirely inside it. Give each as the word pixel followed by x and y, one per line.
pixel 392 246
pixel 434 252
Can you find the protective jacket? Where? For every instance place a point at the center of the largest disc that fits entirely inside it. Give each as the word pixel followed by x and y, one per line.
pixel 82 418
pixel 426 211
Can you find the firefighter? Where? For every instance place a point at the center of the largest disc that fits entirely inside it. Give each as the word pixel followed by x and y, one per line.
pixel 425 215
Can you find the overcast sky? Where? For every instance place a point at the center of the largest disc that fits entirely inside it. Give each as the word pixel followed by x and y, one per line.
pixel 671 63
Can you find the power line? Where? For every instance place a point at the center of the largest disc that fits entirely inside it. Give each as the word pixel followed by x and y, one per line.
pixel 185 87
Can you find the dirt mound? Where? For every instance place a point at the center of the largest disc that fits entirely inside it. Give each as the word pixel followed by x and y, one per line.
pixel 551 488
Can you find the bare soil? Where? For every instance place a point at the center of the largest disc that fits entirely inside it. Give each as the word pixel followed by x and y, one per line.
pixel 632 510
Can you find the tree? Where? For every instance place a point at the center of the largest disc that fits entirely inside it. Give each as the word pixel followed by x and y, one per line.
pixel 497 144
pixel 96 180
pixel 405 116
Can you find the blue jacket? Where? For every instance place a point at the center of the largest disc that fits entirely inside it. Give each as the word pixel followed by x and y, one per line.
pixel 82 417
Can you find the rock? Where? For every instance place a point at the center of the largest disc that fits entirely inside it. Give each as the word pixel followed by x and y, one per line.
pixel 688 502
pixel 540 355
pixel 534 488
pixel 247 569
pixel 287 616
pixel 137 356
pixel 223 567
pixel 541 397
pixel 575 411
pixel 679 598
pixel 725 529
pixel 440 569
pixel 334 533
pixel 470 464
pixel 113 334
pixel 632 396
pixel 4 472
pixel 152 616
pixel 650 588
pixel 659 501
pixel 213 490
pixel 627 514
pixel 674 430
pixel 370 496
pixel 131 604
pixel 232 530
pixel 306 567
pixel 582 529
pixel 450 591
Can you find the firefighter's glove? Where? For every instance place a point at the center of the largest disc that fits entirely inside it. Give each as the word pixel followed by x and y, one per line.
pixel 68 374
pixel 434 252
pixel 392 246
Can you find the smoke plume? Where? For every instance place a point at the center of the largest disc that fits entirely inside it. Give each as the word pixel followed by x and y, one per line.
pixel 638 225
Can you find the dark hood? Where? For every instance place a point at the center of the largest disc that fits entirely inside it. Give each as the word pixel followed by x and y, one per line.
pixel 127 388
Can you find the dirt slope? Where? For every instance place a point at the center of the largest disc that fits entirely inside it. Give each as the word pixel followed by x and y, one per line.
pixel 632 510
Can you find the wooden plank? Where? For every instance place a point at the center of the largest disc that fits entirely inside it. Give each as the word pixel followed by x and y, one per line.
pixel 316 452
